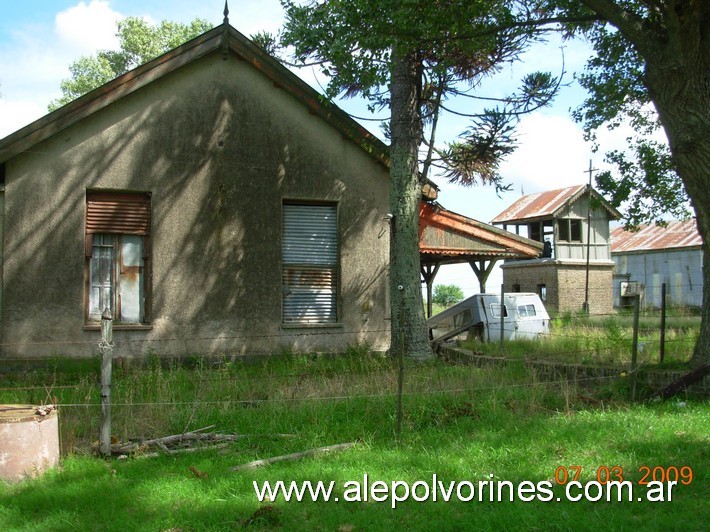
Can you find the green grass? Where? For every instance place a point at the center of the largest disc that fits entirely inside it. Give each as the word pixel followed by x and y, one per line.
pixel 460 423
pixel 604 340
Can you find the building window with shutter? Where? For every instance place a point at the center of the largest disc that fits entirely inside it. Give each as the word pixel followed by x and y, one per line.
pixel 118 256
pixel 309 251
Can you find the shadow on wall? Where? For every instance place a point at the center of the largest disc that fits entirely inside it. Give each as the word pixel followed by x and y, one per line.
pixel 217 172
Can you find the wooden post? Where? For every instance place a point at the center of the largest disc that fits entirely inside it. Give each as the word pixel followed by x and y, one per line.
pixel 663 321
pixel 429 273
pixel 502 314
pixel 482 272
pixel 106 348
pixel 634 346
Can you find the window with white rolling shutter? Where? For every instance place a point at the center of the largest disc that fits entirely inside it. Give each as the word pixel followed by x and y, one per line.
pixel 310 263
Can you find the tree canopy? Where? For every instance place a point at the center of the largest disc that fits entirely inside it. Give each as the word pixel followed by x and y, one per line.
pixel 139 41
pixel 411 56
pixel 645 182
pixel 457 45
pixel 447 294
pixel 652 69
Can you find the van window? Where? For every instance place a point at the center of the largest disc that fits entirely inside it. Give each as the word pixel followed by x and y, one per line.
pixel 495 310
pixel 463 318
pixel 526 311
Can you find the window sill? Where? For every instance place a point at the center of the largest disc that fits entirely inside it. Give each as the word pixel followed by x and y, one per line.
pixel 120 327
pixel 311 325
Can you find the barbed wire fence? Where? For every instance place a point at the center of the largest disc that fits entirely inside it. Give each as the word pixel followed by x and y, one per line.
pixel 285 386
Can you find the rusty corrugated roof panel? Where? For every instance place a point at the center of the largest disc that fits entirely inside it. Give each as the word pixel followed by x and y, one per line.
pixel 677 234
pixel 446 233
pixel 537 205
pixel 547 204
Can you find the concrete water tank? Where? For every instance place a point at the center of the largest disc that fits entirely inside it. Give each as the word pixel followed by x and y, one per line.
pixel 29 440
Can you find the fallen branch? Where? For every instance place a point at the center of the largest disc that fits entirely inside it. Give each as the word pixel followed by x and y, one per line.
pixel 681 384
pixel 164 442
pixel 293 456
pixel 193 434
pixel 181 451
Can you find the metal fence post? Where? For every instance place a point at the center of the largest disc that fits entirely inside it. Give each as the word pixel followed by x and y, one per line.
pixel 400 375
pixel 663 322
pixel 106 349
pixel 634 346
pixel 502 314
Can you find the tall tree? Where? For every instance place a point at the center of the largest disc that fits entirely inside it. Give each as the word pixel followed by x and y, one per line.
pixel 447 294
pixel 652 69
pixel 410 56
pixel 139 41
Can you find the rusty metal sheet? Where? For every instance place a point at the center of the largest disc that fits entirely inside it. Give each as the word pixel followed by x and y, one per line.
pixel 445 232
pixel 677 234
pixel 538 205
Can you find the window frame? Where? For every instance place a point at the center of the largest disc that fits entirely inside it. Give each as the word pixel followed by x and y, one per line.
pixel 542 292
pixel 294 273
pixel 575 230
pixel 119 214
pixel 527 310
pixel 569 230
pixel 495 310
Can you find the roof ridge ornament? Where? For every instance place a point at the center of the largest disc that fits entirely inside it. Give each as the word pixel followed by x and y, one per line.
pixel 225 32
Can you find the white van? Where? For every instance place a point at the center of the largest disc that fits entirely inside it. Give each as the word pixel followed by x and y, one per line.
pixel 479 316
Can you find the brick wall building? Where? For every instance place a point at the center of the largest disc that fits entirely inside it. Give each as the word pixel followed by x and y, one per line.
pixel 573 224
pixel 562 286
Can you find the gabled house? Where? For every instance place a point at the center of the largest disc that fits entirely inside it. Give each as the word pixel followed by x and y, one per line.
pixel 210 199
pixel 655 255
pixel 575 270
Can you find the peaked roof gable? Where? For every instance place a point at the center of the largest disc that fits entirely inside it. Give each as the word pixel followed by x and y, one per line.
pixel 549 204
pixel 676 235
pixel 224 38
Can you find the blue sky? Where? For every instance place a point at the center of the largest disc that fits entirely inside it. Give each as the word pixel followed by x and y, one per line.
pixel 38 41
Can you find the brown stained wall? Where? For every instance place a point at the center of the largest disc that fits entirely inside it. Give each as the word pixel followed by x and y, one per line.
pixel 565 284
pixel 219 147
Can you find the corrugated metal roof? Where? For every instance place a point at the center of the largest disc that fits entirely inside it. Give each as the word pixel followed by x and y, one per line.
pixel 677 234
pixel 547 204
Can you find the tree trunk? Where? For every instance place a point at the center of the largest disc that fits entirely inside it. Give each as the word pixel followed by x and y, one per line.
pixel 675 47
pixel 408 322
pixel 693 164
pixel 678 79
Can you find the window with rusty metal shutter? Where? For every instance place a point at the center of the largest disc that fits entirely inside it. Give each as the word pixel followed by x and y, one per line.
pixel 117 251
pixel 310 261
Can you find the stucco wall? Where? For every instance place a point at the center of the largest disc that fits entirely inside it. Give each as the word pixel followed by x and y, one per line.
pixel 220 148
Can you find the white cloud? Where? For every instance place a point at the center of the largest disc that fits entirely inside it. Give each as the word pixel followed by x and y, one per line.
pixel 15 114
pixel 85 28
pixel 552 154
pixel 34 59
